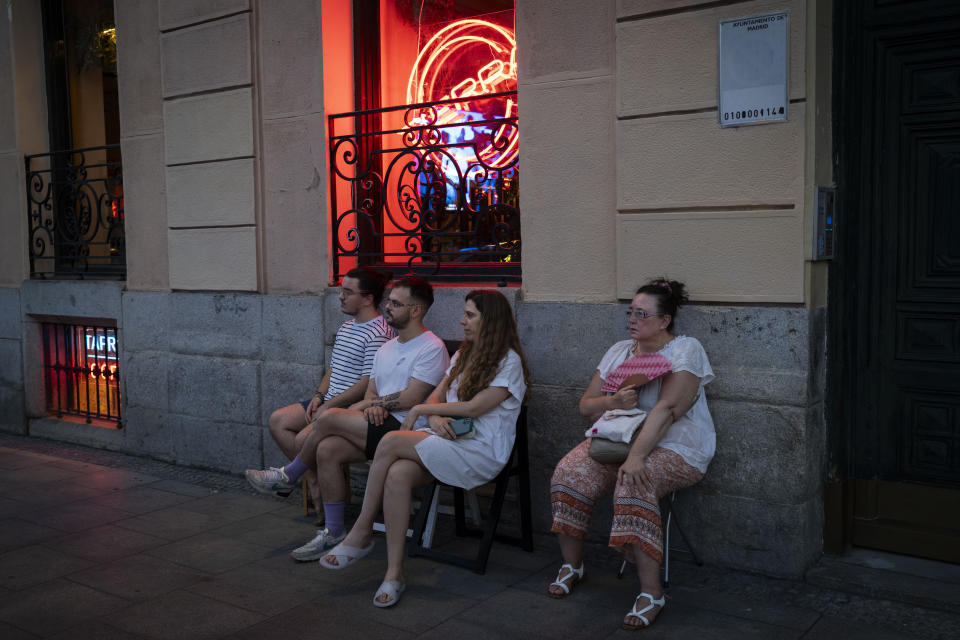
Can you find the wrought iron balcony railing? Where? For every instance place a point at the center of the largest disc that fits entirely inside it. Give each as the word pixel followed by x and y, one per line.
pixel 430 188
pixel 75 213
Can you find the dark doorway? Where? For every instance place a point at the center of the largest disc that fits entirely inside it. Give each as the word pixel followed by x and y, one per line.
pixel 895 285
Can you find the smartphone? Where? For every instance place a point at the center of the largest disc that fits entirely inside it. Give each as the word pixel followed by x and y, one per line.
pixel 461 426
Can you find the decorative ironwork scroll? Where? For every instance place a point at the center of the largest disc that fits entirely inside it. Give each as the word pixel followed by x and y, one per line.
pixel 434 191
pixel 75 213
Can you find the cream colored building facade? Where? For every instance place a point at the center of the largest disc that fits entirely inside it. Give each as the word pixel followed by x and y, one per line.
pixel 626 175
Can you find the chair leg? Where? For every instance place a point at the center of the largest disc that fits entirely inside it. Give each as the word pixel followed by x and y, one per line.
pixel 474 506
pixel 490 528
pixel 696 558
pixel 666 544
pixel 431 521
pixel 420 520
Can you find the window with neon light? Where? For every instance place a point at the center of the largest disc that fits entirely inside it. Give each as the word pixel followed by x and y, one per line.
pixel 462 55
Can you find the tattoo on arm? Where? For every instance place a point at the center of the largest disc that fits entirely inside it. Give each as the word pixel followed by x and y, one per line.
pixel 388 402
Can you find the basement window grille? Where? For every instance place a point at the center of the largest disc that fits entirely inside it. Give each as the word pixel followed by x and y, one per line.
pixel 81 367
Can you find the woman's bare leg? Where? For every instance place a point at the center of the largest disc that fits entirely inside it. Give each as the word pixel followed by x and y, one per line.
pixel 648 571
pixel 396 445
pixel 572 551
pixel 402 478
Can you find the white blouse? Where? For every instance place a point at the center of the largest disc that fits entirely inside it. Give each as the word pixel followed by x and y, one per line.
pixel 692 436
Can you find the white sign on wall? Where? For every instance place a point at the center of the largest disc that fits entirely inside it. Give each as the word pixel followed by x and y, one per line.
pixel 753 69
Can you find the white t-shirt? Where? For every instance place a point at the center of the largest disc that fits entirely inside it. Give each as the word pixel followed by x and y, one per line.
pixel 353 352
pixel 692 436
pixel 424 358
pixel 470 462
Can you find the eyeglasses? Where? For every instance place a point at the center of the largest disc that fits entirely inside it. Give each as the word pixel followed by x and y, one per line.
pixel 399 305
pixel 640 314
pixel 346 293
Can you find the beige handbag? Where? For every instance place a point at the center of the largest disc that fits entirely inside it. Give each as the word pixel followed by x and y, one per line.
pixel 613 434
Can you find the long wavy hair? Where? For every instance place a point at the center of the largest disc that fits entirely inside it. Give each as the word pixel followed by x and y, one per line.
pixel 479 360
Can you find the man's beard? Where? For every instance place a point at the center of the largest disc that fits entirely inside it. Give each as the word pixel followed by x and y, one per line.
pixel 396 323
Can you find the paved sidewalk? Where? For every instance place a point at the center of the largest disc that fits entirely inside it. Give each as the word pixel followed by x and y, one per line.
pixel 95 544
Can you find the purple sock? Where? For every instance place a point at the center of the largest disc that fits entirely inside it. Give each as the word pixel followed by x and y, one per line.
pixel 295 469
pixel 333 515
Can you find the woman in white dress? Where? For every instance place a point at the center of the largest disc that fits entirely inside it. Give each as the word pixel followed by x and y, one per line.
pixel 486 381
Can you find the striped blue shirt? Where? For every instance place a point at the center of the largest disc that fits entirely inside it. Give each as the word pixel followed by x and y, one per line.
pixel 353 352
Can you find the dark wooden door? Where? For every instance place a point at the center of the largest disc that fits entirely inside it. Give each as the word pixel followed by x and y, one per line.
pixel 895 299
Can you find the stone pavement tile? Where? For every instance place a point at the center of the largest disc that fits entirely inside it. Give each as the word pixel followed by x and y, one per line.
pixel 322 620
pixel 105 543
pixel 18 459
pixel 183 488
pixel 54 606
pixel 545 552
pixel 371 566
pixel 8 632
pixel 95 630
pixel 27 566
pixel 271 531
pixel 748 608
pixel 892 585
pixel 180 615
pixel 830 627
pixel 49 495
pixel 141 499
pixel 139 577
pixel 77 516
pixel 172 523
pixel 679 621
pixel 16 533
pixel 231 506
pixel 267 587
pixel 521 614
pixel 37 474
pixel 210 552
pixel 437 575
pixel 109 478
pixel 600 583
pixel 10 507
pixel 290 507
pixel 78 466
pixel 421 608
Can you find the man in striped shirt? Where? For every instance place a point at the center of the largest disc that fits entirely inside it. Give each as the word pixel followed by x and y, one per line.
pixel 345 381
pixel 404 372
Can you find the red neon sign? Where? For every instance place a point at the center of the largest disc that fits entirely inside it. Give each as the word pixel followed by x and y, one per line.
pixel 495 44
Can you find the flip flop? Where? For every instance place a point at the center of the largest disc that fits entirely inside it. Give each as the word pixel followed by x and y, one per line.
pixel 345 555
pixel 393 588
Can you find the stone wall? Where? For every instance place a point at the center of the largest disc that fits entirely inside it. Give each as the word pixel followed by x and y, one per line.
pixel 201 373
pixel 12 418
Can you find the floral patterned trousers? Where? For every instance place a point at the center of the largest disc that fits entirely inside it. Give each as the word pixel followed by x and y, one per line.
pixel 579 481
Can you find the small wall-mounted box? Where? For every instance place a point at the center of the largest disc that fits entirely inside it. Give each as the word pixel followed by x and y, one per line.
pixel 825 223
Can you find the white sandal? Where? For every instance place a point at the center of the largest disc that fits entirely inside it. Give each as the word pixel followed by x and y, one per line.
pixel 662 602
pixel 344 555
pixel 575 574
pixel 392 588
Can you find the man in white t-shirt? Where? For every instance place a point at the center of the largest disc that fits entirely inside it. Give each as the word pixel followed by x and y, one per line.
pixel 405 371
pixel 345 381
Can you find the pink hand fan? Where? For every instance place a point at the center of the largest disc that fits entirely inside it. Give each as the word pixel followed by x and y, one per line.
pixel 638 370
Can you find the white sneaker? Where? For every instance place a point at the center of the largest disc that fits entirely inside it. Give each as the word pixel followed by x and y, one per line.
pixel 315 549
pixel 272 480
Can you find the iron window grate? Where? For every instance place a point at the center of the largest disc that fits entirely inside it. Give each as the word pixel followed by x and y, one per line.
pixel 82 371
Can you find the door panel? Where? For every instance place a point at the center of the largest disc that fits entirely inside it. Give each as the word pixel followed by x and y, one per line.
pixel 902 142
